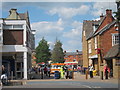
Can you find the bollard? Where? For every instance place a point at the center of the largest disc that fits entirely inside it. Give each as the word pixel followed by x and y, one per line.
pixel 86 74
pixel 102 75
pixel 11 75
pixel 72 74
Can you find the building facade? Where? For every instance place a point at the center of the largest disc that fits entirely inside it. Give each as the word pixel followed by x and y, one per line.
pixel 99 44
pixel 17 41
pixel 73 58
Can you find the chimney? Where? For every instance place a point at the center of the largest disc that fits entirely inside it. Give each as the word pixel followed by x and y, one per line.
pixel 76 50
pixel 13 10
pixel 101 16
pixel 64 51
pixel 109 12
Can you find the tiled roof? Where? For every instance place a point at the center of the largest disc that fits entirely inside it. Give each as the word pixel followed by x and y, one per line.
pixel 105 28
pixel 22 15
pixel 113 52
pixel 73 53
pixel 88 27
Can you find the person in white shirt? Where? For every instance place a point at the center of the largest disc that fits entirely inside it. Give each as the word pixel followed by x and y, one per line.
pixel 91 70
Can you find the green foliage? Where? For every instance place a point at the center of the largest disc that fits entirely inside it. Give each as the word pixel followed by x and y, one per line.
pixel 43 52
pixel 57 53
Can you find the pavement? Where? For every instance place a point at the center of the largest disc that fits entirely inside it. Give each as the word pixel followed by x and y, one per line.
pixel 78 77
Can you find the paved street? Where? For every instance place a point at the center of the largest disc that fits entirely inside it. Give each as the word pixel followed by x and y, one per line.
pixel 78 82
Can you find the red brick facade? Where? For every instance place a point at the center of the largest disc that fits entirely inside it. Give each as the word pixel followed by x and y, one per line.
pixel 106 40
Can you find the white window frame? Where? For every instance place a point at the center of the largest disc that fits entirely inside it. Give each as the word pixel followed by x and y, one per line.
pixel 95 42
pixel 115 39
pixel 12 26
pixel 84 32
pixel 89 48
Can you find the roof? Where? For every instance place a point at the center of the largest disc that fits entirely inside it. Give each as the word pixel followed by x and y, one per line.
pixel 22 15
pixel 73 53
pixel 88 27
pixel 113 52
pixel 105 28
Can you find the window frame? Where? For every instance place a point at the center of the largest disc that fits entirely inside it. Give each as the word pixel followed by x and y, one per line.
pixel 115 39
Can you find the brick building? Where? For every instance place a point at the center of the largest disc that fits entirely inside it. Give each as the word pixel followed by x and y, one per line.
pixel 100 42
pixel 17 41
pixel 73 58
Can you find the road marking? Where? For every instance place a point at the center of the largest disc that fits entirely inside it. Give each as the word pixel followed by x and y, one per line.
pixel 87 86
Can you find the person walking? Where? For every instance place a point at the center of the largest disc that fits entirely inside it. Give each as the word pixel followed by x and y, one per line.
pixel 48 71
pixel 61 72
pixel 106 71
pixel 91 70
pixel 45 71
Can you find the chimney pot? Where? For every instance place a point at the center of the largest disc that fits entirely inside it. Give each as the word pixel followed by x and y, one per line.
pixel 108 12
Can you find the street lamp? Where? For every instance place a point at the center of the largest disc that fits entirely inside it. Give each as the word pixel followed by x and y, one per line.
pixel 118 20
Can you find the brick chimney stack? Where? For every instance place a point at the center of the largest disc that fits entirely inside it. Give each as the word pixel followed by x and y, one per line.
pixel 109 12
pixel 101 16
pixel 13 10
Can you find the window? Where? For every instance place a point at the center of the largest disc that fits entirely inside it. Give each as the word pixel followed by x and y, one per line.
pixel 13 26
pixel 17 26
pixel 8 27
pixel 117 62
pixel 116 27
pixel 115 39
pixel 84 32
pixel 89 47
pixel 95 27
pixel 95 42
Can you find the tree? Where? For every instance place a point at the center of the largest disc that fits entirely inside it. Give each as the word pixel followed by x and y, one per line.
pixel 57 53
pixel 43 52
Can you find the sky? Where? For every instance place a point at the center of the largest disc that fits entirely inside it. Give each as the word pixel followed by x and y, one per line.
pixel 61 20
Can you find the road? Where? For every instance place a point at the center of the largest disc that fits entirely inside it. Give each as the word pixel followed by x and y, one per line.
pixel 78 82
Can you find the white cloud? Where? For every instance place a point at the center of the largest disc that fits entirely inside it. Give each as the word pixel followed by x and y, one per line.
pixel 100 7
pixel 76 32
pixel 66 12
pixel 45 27
pixel 74 37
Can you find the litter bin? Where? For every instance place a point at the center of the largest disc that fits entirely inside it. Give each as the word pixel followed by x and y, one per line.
pixel 94 72
pixel 57 75
pixel 84 69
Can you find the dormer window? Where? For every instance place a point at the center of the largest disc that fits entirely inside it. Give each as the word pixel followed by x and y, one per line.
pixel 95 27
pixel 116 27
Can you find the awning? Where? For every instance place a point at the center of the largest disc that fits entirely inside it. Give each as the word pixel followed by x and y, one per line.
pixel 94 56
pixel 113 52
pixel 71 63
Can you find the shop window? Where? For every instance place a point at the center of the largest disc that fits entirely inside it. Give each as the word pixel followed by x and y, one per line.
pixel 117 62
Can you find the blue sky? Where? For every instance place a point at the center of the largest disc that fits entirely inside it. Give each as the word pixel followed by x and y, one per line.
pixel 59 19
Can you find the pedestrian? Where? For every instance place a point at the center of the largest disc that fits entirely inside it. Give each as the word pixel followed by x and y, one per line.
pixel 78 69
pixel 48 71
pixel 42 73
pixel 39 70
pixel 45 71
pixel 106 71
pixel 61 72
pixel 91 70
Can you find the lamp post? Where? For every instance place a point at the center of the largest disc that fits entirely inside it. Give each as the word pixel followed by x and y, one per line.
pixel 118 19
pixel 118 22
